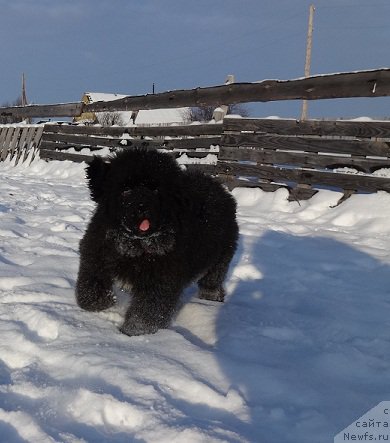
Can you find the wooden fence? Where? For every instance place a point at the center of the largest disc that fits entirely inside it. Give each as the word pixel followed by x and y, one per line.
pixel 305 155
pixel 18 141
pixel 299 155
pixel 195 141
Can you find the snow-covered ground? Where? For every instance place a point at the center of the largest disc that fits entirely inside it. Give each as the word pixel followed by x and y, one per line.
pixel 300 349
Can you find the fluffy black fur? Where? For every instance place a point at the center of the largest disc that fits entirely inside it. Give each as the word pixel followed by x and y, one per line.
pixel 190 235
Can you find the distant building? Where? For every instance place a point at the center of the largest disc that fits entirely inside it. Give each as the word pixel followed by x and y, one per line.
pixel 155 117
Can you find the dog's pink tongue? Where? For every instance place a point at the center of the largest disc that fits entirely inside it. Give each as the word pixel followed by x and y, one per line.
pixel 144 225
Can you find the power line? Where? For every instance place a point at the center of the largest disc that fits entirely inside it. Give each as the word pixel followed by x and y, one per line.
pixel 354 5
pixel 231 55
pixel 356 27
pixel 210 51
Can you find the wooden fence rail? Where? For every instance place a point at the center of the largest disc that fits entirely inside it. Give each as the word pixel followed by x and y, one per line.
pixel 266 153
pixel 192 140
pixel 375 83
pixel 352 156
pixel 345 85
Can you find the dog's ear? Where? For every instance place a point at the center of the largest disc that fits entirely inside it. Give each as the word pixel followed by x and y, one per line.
pixel 96 173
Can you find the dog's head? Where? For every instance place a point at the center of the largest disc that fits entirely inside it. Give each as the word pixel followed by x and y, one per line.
pixel 135 191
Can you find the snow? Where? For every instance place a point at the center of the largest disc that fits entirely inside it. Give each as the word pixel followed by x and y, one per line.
pixel 167 116
pixel 161 116
pixel 103 96
pixel 299 350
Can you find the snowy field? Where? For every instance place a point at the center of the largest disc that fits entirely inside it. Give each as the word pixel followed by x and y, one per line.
pixel 300 349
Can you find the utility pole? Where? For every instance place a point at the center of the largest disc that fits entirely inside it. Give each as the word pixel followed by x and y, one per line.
pixel 24 95
pixel 309 44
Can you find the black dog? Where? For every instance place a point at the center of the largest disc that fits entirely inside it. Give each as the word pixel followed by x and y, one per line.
pixel 156 229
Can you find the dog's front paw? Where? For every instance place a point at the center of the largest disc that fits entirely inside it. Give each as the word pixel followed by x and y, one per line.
pixel 95 299
pixel 137 326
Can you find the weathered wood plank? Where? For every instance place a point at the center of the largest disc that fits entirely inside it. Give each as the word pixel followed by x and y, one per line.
pixel 307 176
pixel 31 111
pixel 65 141
pixel 5 136
pixel 305 159
pixel 8 139
pixel 25 144
pixel 301 193
pixel 205 168
pixel 191 143
pixel 46 148
pixel 34 143
pixel 191 153
pixel 15 141
pixel 22 140
pixel 118 131
pixel 185 143
pixel 3 132
pixel 369 129
pixel 97 144
pixel 337 146
pixel 49 154
pixel 374 83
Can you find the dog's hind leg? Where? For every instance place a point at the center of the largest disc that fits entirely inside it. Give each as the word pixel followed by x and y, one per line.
pixel 211 284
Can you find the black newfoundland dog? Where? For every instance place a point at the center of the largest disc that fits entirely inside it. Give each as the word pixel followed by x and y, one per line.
pixel 155 230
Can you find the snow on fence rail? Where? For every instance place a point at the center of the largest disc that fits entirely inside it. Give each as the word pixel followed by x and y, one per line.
pixel 375 83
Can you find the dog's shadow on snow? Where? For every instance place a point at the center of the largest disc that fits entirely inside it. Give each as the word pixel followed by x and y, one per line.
pixel 303 336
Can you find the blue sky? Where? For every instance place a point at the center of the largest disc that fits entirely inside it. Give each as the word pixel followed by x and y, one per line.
pixel 67 47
